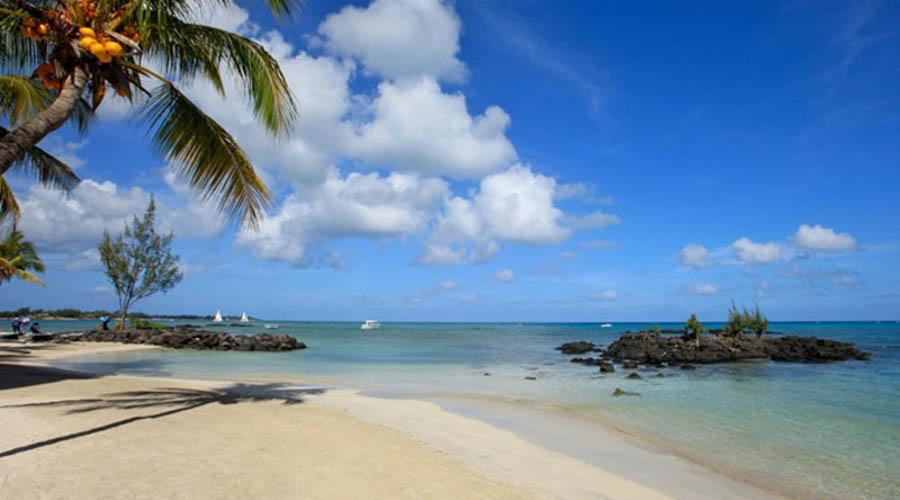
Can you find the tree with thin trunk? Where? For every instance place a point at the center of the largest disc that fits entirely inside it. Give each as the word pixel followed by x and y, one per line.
pixel 694 329
pixel 139 263
pixel 64 56
pixel 19 259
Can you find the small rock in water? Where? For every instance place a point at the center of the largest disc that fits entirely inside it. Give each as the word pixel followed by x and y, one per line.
pixel 633 376
pixel 607 368
pixel 688 366
pixel 487 374
pixel 580 347
pixel 660 374
pixel 619 392
pixel 629 364
pixel 530 378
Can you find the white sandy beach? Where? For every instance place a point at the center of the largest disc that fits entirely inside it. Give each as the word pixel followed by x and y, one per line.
pixel 67 435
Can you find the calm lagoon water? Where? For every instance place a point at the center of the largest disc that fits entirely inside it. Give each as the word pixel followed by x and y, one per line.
pixel 830 429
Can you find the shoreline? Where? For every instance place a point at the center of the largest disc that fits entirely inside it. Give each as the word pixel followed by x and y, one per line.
pixel 504 453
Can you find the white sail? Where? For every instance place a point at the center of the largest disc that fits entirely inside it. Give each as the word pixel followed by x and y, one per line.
pixel 244 318
pixel 218 317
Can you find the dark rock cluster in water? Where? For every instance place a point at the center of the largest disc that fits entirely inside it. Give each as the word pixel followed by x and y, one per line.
pixel 192 338
pixel 580 347
pixel 649 349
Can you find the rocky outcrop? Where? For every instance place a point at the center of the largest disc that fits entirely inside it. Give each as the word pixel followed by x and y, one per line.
pixel 192 338
pixel 580 347
pixel 814 350
pixel 650 350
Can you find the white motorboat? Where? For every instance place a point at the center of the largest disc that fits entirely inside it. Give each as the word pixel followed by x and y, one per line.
pixel 606 325
pixel 271 326
pixel 218 317
pixel 370 324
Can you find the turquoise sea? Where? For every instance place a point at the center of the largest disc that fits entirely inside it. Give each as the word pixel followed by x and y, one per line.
pixel 805 429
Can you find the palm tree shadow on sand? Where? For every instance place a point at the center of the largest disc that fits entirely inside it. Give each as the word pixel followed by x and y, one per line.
pixel 170 400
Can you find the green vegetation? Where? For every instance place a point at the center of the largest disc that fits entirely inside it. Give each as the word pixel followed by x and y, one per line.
pixel 65 56
pixel 758 323
pixel 72 313
pixel 745 321
pixel 694 328
pixel 143 324
pixel 19 259
pixel 139 263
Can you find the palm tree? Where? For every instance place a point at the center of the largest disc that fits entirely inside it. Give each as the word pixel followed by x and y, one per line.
pixel 18 258
pixel 65 55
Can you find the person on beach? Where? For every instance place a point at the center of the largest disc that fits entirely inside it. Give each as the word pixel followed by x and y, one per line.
pixel 15 324
pixel 23 325
pixel 36 328
pixel 104 322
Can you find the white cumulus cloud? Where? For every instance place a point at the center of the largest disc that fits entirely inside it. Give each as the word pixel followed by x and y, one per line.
pixel 705 289
pixel 823 239
pixel 399 38
pixel 756 253
pixel 369 205
pixel 415 126
pixel 693 255
pixel 75 223
pixel 515 205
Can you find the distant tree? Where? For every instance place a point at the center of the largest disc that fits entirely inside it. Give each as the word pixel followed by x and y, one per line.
pixel 139 262
pixel 67 313
pixel 694 328
pixel 19 259
pixel 759 323
pixel 735 324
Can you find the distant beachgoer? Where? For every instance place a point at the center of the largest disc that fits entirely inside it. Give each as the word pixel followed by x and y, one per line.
pixel 36 328
pixel 15 324
pixel 104 320
pixel 23 325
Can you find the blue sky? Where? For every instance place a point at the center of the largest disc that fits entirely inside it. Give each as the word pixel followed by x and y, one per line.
pixel 518 161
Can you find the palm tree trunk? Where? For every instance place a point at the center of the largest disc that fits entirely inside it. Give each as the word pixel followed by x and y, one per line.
pixel 14 144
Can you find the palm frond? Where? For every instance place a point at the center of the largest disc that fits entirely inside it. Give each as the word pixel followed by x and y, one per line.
pixel 18 54
pixel 204 153
pixel 18 258
pixel 184 9
pixel 83 116
pixel 49 170
pixel 9 207
pixel 283 8
pixel 10 269
pixel 20 98
pixel 29 277
pixel 186 49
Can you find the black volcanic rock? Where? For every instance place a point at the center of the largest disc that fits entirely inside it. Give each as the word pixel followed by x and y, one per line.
pixel 580 347
pixel 632 349
pixel 192 338
pixel 649 350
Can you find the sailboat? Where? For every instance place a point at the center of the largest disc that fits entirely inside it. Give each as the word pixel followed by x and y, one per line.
pixel 218 317
pixel 244 318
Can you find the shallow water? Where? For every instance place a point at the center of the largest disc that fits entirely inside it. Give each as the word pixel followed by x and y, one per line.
pixel 833 429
